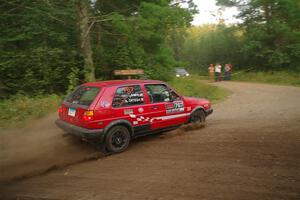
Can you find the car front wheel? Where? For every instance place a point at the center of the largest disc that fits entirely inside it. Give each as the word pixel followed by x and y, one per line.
pixel 117 139
pixel 198 117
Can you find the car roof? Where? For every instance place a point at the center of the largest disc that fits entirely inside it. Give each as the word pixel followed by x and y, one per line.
pixel 180 69
pixel 122 82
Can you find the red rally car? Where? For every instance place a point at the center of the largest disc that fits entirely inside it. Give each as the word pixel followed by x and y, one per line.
pixel 114 112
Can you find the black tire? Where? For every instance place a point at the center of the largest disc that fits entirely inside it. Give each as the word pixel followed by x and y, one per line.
pixel 117 139
pixel 198 117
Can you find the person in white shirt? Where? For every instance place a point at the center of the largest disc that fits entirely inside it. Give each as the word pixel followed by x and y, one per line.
pixel 218 71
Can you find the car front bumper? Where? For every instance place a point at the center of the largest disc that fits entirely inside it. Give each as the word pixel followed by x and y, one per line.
pixel 89 134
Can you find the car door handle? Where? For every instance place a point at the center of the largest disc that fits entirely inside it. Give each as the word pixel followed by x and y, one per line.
pixel 154 107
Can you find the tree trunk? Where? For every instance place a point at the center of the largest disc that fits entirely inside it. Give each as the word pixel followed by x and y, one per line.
pixel 85 43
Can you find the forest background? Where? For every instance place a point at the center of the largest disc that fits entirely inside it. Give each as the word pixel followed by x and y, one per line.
pixel 50 46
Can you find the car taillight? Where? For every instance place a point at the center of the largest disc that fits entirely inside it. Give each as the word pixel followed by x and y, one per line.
pixel 60 110
pixel 88 115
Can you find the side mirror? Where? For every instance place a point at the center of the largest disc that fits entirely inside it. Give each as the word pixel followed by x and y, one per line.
pixel 174 96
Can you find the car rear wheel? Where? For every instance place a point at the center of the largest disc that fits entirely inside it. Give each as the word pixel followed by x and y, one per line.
pixel 198 117
pixel 117 139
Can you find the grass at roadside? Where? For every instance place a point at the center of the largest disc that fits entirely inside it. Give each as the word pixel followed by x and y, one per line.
pixel 19 109
pixel 279 78
pixel 194 87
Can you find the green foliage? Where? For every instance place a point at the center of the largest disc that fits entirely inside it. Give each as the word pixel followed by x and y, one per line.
pixel 268 39
pixel 41 51
pixel 212 44
pixel 278 77
pixel 272 32
pixel 19 109
pixel 194 87
pixel 139 39
pixel 37 50
pixel 73 78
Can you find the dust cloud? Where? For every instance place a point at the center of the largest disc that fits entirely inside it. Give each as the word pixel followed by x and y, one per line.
pixel 38 148
pixel 41 147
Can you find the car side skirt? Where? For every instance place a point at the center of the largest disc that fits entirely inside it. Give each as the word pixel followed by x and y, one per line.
pixel 149 132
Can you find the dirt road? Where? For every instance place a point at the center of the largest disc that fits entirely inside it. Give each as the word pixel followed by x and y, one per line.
pixel 250 149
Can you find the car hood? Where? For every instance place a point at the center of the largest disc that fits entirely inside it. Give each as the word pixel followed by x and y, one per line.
pixel 194 100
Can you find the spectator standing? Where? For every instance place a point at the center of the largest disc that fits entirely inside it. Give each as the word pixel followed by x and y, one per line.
pixel 228 70
pixel 218 71
pixel 211 71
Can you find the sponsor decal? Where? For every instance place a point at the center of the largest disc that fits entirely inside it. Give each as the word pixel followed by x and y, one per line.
pixel 128 111
pixel 175 107
pixel 104 104
pixel 133 98
pixel 175 110
pixel 128 90
pixel 169 106
pixel 139 119
pixel 172 116
pixel 142 119
pixel 141 110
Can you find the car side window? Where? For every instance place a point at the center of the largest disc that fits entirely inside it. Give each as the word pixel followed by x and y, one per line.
pixel 158 93
pixel 174 96
pixel 128 96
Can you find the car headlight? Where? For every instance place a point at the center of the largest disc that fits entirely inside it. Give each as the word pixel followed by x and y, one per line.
pixel 187 74
pixel 177 75
pixel 206 106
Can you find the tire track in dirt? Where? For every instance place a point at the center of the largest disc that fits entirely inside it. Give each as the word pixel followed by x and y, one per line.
pixel 250 149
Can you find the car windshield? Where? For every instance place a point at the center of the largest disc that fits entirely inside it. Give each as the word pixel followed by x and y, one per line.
pixel 83 95
pixel 182 71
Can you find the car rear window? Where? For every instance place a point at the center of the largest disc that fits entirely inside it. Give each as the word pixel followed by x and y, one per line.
pixel 83 95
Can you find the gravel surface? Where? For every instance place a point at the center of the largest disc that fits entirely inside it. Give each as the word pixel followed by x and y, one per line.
pixel 249 149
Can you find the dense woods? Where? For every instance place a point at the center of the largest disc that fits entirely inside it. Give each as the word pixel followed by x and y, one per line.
pixel 211 44
pixel 267 39
pixel 50 46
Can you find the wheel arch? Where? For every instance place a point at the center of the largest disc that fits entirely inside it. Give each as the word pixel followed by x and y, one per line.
pixel 120 122
pixel 194 110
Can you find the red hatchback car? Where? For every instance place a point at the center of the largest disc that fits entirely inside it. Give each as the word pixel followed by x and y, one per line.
pixel 114 112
